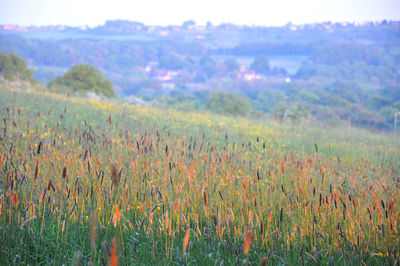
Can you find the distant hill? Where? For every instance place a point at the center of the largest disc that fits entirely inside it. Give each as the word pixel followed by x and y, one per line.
pixel 335 71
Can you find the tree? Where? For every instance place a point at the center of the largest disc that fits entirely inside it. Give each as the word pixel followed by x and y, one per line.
pixel 268 98
pixel 84 78
pixel 261 65
pixel 231 65
pixel 208 66
pixel 307 96
pixel 13 67
pixel 171 62
pixel 188 23
pixel 222 102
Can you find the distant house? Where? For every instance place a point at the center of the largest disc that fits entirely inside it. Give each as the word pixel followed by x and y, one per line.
pixel 163 75
pixel 249 76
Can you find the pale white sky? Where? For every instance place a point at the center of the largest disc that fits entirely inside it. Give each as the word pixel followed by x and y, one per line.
pixel 166 12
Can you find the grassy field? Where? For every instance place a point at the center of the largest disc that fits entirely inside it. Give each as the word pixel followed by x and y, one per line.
pixel 105 183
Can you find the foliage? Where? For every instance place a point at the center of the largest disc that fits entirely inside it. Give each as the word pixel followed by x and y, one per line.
pixel 358 72
pixel 293 113
pixel 172 62
pixel 119 26
pixel 261 65
pixel 268 98
pixel 180 101
pixel 84 78
pixel 208 66
pixel 13 67
pixel 338 71
pixel 231 65
pixel 188 23
pixel 335 53
pixel 222 102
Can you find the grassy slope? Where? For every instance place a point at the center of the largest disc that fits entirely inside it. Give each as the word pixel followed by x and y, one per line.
pixel 218 176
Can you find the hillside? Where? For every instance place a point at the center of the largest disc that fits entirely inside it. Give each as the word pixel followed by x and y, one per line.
pixel 332 72
pixel 100 180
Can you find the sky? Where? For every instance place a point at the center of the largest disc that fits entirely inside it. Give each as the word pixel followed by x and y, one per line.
pixel 174 12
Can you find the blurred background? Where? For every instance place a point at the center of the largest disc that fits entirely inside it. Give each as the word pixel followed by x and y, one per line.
pixel 331 61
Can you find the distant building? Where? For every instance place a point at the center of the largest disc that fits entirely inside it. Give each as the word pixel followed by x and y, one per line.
pixel 249 76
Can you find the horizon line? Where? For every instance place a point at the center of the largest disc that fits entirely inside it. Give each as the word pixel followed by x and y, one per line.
pixel 356 22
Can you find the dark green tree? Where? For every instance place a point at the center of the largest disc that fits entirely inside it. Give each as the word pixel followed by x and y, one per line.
pixel 188 23
pixel 261 65
pixel 223 102
pixel 268 98
pixel 84 78
pixel 231 65
pixel 208 66
pixel 13 67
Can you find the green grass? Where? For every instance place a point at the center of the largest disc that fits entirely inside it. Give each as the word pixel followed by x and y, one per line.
pixel 248 169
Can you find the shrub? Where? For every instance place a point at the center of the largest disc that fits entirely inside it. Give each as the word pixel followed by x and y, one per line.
pixel 84 78
pixel 13 67
pixel 222 102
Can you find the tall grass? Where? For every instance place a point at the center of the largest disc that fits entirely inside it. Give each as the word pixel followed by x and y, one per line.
pixel 131 184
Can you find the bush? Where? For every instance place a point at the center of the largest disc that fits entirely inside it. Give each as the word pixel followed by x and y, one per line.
pixel 294 113
pixel 13 67
pixel 222 102
pixel 84 78
pixel 261 65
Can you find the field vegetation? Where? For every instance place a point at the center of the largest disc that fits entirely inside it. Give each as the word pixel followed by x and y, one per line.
pixel 102 182
pixel 330 72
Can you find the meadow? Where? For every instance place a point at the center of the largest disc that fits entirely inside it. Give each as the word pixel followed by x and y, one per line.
pixel 107 183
